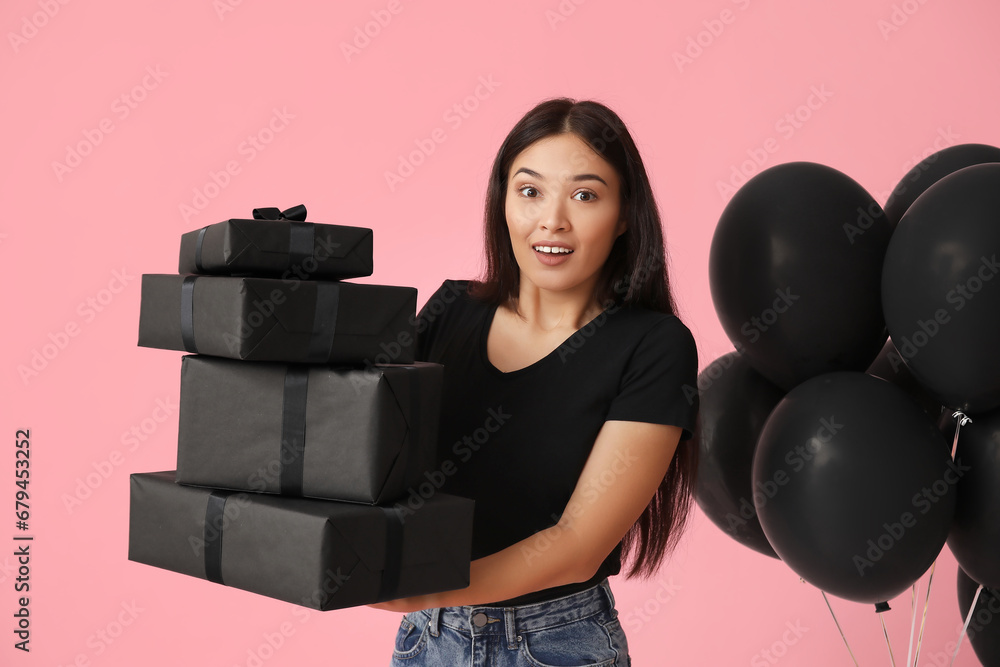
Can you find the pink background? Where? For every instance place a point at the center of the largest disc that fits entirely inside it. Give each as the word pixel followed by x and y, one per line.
pixel 899 79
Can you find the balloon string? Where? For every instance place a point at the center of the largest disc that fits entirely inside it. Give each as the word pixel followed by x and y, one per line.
pixel 913 620
pixel 840 629
pixel 961 419
pixel 923 621
pixel 885 632
pixel 965 628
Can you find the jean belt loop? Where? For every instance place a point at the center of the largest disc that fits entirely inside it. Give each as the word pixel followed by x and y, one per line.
pixel 510 626
pixel 607 590
pixel 435 622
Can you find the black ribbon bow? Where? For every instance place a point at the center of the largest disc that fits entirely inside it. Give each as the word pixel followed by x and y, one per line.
pixel 297 213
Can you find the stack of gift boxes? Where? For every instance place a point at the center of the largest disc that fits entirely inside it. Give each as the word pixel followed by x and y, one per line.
pixel 296 454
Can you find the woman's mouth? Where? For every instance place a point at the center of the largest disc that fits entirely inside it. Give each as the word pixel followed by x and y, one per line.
pixel 554 250
pixel 551 255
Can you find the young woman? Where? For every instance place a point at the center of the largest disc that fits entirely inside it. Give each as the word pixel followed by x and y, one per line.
pixel 564 402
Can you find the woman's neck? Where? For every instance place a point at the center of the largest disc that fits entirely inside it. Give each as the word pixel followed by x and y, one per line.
pixel 548 310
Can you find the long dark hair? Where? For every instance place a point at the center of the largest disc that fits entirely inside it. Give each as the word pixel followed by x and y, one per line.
pixel 635 274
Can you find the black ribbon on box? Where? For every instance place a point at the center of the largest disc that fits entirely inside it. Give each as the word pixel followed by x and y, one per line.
pixel 373 446
pixel 297 549
pixel 265 319
pixel 293 425
pixel 324 327
pixel 301 239
pixel 293 429
pixel 215 516
pixel 187 313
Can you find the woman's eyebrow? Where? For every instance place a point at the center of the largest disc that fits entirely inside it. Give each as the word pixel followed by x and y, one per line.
pixel 578 177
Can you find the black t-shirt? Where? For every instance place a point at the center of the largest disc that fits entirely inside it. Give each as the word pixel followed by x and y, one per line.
pixel 516 442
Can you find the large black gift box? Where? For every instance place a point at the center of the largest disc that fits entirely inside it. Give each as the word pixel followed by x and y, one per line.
pixel 264 319
pixel 317 553
pixel 357 434
pixel 278 249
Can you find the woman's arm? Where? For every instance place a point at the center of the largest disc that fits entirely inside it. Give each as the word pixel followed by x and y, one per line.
pixel 624 469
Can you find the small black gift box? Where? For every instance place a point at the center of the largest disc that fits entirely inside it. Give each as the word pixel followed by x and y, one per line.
pixel 356 434
pixel 278 244
pixel 316 553
pixel 265 319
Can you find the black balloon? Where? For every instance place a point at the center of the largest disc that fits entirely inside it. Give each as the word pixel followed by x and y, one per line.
pixel 975 532
pixel 857 506
pixel 734 404
pixel 794 269
pixel 984 628
pixel 941 288
pixel 889 366
pixel 932 169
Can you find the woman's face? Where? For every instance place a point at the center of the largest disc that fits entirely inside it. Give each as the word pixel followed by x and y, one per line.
pixel 563 213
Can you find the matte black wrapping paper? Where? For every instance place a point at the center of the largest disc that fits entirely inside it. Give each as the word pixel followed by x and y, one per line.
pixel 356 434
pixel 265 319
pixel 316 553
pixel 277 249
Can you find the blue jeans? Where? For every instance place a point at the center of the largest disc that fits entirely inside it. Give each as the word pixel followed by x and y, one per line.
pixel 578 630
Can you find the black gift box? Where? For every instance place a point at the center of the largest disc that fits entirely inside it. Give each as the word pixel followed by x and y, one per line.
pixel 277 249
pixel 317 553
pixel 264 319
pixel 357 434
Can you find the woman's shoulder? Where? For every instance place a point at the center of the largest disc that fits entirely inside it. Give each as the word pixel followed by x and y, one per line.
pixel 450 292
pixel 645 321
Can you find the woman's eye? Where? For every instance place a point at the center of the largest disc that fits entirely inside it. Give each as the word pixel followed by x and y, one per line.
pixel 528 191
pixel 587 196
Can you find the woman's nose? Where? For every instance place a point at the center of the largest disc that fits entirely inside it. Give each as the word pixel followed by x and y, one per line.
pixel 553 216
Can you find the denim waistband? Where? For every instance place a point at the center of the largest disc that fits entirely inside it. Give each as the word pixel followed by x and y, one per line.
pixel 509 621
